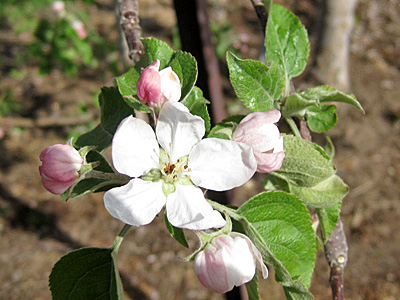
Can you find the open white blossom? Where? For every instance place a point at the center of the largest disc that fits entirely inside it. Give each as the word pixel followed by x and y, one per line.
pixel 170 175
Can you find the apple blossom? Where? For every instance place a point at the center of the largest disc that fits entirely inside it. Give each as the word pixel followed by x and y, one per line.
pixel 155 87
pixel 60 167
pixel 79 28
pixel 228 260
pixel 259 131
pixel 171 175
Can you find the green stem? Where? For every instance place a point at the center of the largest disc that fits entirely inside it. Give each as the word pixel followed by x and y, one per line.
pixel 118 240
pixel 293 126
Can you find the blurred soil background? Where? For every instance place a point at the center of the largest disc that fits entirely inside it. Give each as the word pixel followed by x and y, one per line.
pixel 38 110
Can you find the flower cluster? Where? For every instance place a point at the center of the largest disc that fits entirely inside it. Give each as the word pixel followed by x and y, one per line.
pixel 167 166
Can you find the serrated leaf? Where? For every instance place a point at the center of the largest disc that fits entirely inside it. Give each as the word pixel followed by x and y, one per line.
pixel 197 105
pixel 253 292
pixel 227 125
pixel 113 110
pixel 87 273
pixel 154 49
pixel 185 66
pixel 284 223
pixel 286 42
pixel 324 194
pixel 305 163
pixel 177 233
pixel 328 218
pixel 321 119
pixel 328 94
pixel 257 85
pixel 296 105
pixel 127 82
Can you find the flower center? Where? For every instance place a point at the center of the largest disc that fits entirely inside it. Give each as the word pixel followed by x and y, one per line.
pixel 175 171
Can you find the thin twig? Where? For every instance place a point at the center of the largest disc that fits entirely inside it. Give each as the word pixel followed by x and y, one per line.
pixel 129 21
pixel 336 250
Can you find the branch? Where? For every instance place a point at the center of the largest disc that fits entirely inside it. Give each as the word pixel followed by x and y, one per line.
pixel 129 21
pixel 336 254
pixel 262 12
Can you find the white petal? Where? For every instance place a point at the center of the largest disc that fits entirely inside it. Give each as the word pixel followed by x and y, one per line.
pixel 135 149
pixel 136 203
pixel 256 253
pixel 187 208
pixel 239 262
pixel 170 85
pixel 219 165
pixel 178 130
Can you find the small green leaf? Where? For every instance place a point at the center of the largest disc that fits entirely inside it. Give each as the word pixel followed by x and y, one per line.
pixel 321 119
pixel 324 194
pixel 226 125
pixel 257 85
pixel 329 147
pixel 113 110
pixel 252 289
pixel 154 49
pixel 328 218
pixel 197 105
pixel 177 233
pixel 296 105
pixel 87 273
pixel 286 42
pixel 328 94
pixel 185 66
pixel 305 163
pixel 284 223
pixel 127 82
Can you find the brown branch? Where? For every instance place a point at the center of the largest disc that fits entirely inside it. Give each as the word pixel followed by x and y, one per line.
pixel 262 12
pixel 129 21
pixel 336 250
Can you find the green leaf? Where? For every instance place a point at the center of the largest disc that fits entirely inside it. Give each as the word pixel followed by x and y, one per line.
pixel 296 105
pixel 226 127
pixel 329 148
pixel 328 94
pixel 286 42
pixel 197 105
pixel 127 82
pixel 305 163
pixel 87 273
pixel 185 66
pixel 154 49
pixel 252 289
pixel 321 119
pixel 324 194
pixel 177 233
pixel 113 110
pixel 328 218
pixel 257 85
pixel 283 222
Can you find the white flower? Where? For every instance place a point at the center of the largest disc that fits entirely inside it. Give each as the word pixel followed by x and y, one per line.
pixel 169 176
pixel 228 260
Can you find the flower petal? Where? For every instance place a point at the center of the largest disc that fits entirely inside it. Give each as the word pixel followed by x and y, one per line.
pixel 256 253
pixel 220 165
pixel 187 208
pixel 136 203
pixel 269 162
pixel 210 269
pixel 178 130
pixel 135 150
pixel 170 85
pixel 239 261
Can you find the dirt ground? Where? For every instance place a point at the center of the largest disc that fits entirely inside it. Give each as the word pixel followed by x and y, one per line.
pixel 37 228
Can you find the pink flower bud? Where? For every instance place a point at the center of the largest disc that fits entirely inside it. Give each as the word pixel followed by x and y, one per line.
pixel 155 87
pixel 79 28
pixel 60 166
pixel 228 261
pixel 259 131
pixel 59 8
